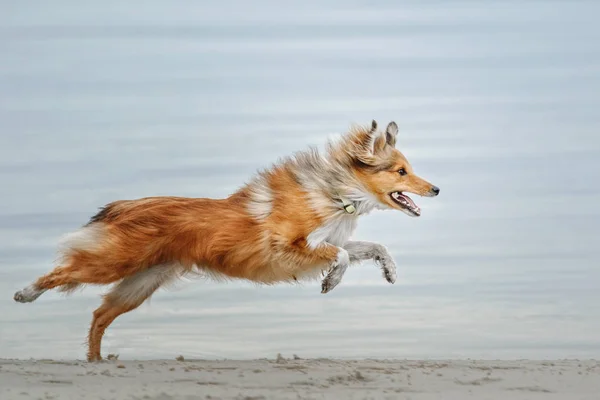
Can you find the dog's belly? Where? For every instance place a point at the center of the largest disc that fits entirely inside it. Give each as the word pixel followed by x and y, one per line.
pixel 268 273
pixel 265 265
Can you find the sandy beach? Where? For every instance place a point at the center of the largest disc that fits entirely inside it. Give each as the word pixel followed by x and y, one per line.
pixel 296 378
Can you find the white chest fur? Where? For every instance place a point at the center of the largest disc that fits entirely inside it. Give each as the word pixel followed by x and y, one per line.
pixel 336 231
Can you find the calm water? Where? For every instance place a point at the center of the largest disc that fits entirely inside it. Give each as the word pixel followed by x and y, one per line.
pixel 497 104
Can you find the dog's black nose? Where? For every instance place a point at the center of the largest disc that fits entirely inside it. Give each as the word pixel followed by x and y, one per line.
pixel 435 190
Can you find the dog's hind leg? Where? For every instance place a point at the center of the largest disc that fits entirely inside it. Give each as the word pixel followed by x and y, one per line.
pixel 361 251
pixel 60 276
pixel 82 262
pixel 126 296
pixel 67 278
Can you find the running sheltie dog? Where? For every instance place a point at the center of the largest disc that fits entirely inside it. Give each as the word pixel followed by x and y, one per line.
pixel 291 222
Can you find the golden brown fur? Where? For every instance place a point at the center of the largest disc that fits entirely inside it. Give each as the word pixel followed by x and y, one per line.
pixel 286 225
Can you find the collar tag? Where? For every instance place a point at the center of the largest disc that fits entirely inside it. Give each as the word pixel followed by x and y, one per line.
pixel 347 205
pixel 349 208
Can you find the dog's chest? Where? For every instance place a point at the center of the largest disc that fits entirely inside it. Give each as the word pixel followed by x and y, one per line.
pixel 335 232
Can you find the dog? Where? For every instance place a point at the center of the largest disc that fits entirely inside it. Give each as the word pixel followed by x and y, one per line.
pixel 291 222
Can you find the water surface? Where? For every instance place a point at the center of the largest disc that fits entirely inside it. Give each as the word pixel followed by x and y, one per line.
pixel 497 104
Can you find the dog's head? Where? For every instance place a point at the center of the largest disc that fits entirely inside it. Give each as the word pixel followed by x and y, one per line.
pixel 384 171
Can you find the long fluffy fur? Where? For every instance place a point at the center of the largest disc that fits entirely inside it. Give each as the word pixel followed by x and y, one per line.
pixel 285 225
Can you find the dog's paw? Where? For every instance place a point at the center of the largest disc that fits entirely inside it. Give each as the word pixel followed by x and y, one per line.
pixel 27 295
pixel 388 267
pixel 327 285
pixel 389 275
pixel 333 278
pixel 336 271
pixel 20 297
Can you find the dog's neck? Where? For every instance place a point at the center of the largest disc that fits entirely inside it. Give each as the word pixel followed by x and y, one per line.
pixel 347 205
pixel 343 191
pixel 354 202
pixel 331 186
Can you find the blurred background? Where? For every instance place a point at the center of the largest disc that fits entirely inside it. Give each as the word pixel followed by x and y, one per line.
pixel 497 104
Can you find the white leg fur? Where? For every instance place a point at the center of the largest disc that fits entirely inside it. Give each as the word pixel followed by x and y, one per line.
pixel 136 288
pixel 360 251
pixel 28 294
pixel 337 271
pixel 356 251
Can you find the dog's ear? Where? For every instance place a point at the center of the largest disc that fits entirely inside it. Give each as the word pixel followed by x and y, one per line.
pixel 373 126
pixel 377 140
pixel 390 133
pixel 370 143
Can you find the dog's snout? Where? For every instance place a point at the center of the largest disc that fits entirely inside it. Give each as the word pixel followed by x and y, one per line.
pixel 435 190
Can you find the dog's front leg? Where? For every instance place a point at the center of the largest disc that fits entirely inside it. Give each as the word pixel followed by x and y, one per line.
pixel 336 272
pixel 299 252
pixel 360 251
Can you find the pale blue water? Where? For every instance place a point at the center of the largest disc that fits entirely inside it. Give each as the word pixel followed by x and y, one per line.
pixel 497 104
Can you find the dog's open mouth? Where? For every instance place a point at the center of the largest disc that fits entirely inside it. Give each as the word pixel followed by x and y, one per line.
pixel 406 202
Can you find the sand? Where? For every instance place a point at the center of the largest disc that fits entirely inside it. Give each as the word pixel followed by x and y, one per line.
pixel 294 378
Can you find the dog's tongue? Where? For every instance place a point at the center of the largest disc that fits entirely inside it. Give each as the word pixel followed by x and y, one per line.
pixel 407 199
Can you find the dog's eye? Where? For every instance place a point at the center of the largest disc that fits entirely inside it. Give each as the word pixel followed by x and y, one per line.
pixel 402 171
